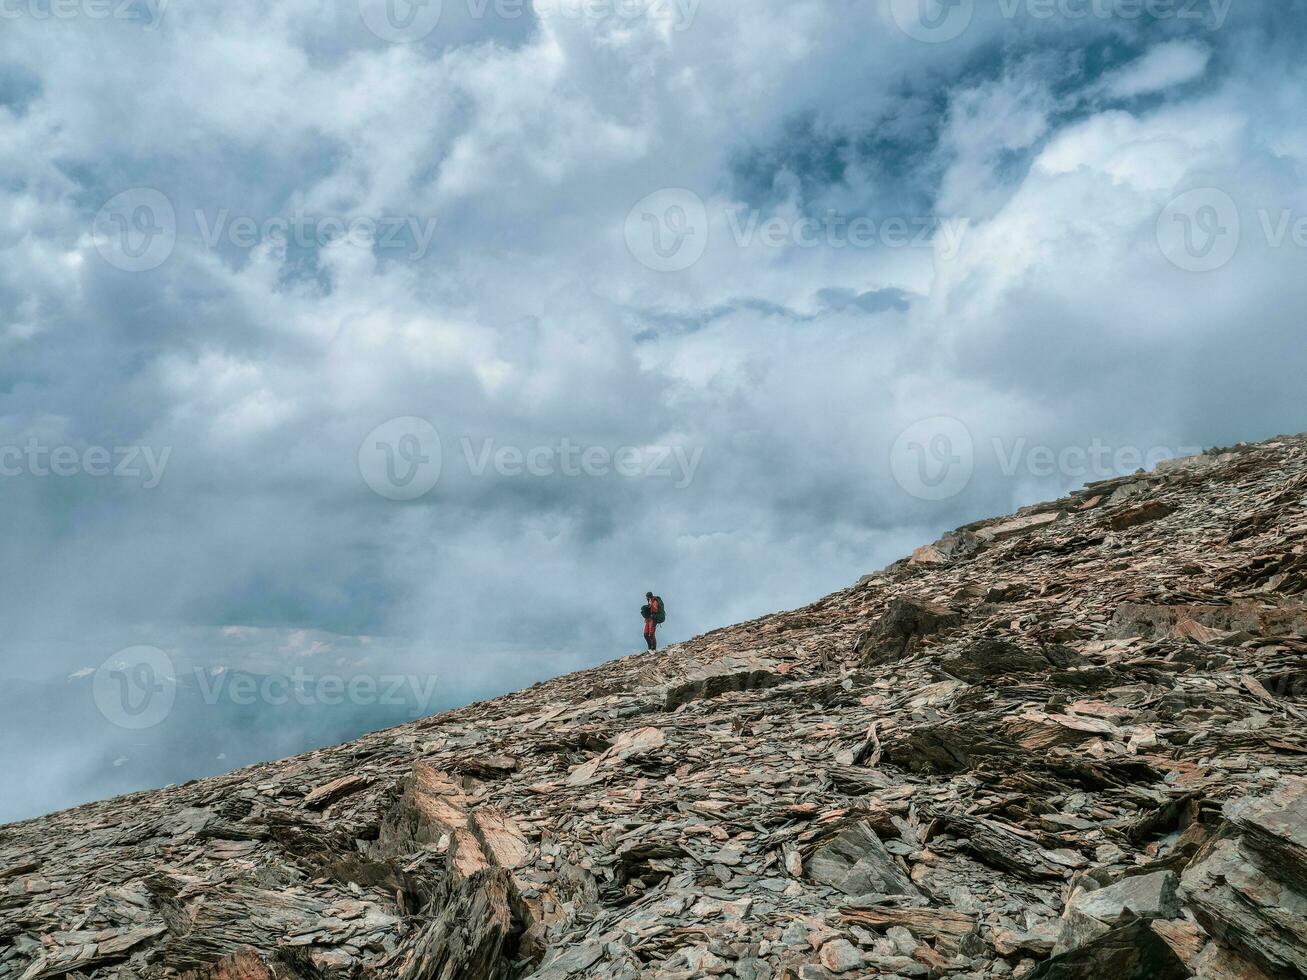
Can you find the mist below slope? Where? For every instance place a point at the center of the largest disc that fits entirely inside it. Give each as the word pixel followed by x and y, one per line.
pixel 59 748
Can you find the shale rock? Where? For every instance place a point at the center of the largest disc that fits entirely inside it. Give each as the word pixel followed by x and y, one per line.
pixel 1015 742
pixel 1092 913
pixel 1131 952
pixel 1248 888
pixel 857 863
pixel 906 624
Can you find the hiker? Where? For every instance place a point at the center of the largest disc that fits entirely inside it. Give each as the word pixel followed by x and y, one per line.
pixel 654 612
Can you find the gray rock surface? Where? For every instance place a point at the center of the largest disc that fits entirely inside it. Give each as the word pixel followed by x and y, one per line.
pixel 857 863
pixel 1249 889
pixel 1095 912
pixel 922 769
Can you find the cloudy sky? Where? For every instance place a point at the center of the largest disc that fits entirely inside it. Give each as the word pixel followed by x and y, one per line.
pixel 367 336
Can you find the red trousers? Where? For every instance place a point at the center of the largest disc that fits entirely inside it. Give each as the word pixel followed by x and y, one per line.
pixel 651 634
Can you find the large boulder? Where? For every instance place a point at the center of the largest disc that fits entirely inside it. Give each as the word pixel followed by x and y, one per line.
pixel 1093 912
pixel 1130 952
pixel 857 863
pixel 903 627
pixel 732 673
pixel 1248 887
pixel 1245 908
pixel 992 656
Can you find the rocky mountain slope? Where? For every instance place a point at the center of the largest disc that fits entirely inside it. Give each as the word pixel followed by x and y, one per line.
pixel 1068 743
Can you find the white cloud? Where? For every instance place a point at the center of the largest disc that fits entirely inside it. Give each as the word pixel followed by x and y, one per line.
pixel 1164 66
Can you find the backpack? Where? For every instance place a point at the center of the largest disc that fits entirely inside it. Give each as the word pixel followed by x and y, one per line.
pixel 660 616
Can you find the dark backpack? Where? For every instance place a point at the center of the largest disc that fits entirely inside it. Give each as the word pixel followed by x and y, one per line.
pixel 660 616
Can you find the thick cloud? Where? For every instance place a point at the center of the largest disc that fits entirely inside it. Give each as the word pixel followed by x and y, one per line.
pixel 898 268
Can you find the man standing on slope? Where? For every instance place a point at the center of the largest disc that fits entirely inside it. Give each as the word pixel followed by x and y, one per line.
pixel 654 613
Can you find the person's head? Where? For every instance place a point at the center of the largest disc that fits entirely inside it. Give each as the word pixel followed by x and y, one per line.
pixel 648 595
